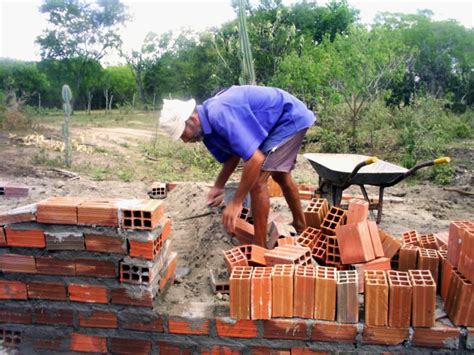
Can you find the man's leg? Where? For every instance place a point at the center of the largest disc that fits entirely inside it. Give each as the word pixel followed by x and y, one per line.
pixel 290 191
pixel 260 205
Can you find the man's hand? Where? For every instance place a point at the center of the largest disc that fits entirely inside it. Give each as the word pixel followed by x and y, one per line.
pixel 215 197
pixel 230 215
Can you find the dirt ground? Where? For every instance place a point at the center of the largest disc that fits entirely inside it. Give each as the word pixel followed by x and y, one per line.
pixel 200 242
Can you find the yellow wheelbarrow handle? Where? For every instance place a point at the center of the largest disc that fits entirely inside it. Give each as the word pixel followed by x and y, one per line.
pixel 371 160
pixel 442 160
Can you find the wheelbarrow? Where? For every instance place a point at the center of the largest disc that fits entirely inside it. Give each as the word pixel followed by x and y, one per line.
pixel 337 172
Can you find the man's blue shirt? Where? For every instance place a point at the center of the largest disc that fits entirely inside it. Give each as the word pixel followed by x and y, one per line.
pixel 241 119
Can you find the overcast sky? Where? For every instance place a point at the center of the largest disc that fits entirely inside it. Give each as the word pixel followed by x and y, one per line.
pixel 21 22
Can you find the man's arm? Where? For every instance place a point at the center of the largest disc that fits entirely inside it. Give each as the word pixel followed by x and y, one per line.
pixel 215 196
pixel 250 175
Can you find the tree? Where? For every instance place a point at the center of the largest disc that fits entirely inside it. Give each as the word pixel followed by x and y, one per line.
pixel 82 31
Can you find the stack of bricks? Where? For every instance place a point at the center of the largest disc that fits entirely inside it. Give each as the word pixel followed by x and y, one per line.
pixel 83 264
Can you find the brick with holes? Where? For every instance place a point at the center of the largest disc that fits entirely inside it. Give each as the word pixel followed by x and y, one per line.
pixel 261 293
pixel 282 290
pixel 411 237
pixel 315 212
pixel 400 299
pixel 141 214
pixel 319 249
pixel 325 293
pixel 376 298
pixel 309 237
pixel 240 288
pixel 347 296
pixel 428 259
pixel 424 298
pixel 235 257
pixel 408 257
pixel 335 217
pixel 303 293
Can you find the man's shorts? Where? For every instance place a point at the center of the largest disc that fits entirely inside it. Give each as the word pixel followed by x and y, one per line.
pixel 283 157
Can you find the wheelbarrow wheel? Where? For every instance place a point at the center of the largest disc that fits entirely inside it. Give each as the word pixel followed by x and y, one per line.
pixel 330 192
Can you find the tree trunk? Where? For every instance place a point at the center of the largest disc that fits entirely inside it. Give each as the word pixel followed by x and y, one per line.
pixel 89 101
pixel 141 89
pixel 39 101
pixel 106 95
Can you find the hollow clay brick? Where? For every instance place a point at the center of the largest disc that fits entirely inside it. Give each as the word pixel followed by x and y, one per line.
pixel 148 249
pixel 424 298
pixel 55 291
pixel 355 244
pixel 376 264
pixel 333 255
pixel 288 254
pixel 390 245
pixel 277 231
pixel 88 343
pixel 18 263
pixel 428 259
pixel 335 217
pixel 58 210
pixel 376 298
pixel 254 254
pixel 358 211
pixel 408 257
pixel 25 238
pixel 98 319
pixel 460 303
pixel 347 297
pixel 100 212
pixel 19 315
pixel 446 273
pixel 325 293
pixel 104 244
pixel 240 287
pixel 282 291
pixel 286 241
pixel 141 214
pixel 261 293
pixel 411 237
pixel 309 237
pixel 95 268
pixel 315 212
pixel 428 241
pixel 319 249
pixel 375 238
pixel 13 290
pixel 244 231
pixel 303 292
pixel 455 241
pixel 384 335
pixel 88 293
pixel 400 299
pixel 466 255
pixel 235 257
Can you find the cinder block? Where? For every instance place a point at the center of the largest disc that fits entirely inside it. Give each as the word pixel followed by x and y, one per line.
pixel 25 238
pixel 88 293
pixel 358 211
pixel 104 244
pixel 376 298
pixel 335 217
pixel 408 257
pixel 325 293
pixel 355 244
pixel 99 212
pixel 98 319
pixel 18 263
pixel 47 265
pixel 141 214
pixel 130 346
pixel 240 287
pixel 261 293
pixel 400 299
pixel 411 237
pixel 55 291
pixel 376 264
pixel 424 298
pixel 95 268
pixel 347 297
pixel 428 259
pixel 88 343
pixel 282 291
pixel 58 210
pixel 303 291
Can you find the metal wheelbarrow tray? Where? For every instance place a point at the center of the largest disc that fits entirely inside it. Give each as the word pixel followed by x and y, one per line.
pixel 339 171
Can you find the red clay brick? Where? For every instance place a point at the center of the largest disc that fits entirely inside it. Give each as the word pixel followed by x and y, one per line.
pixel 411 237
pixel 428 259
pixel 120 296
pixel 355 244
pixel 400 299
pixel 438 336
pixel 282 291
pixel 240 286
pixel 261 350
pixel 446 272
pixel 95 268
pixel 408 257
pixel 53 343
pixel 104 244
pixel 58 210
pixel 88 343
pixel 390 244
pixel 325 293
pixel 141 214
pixel 376 298
pixel 16 315
pixel 358 211
pixel 244 231
pixel 88 293
pixel 315 212
pixel 12 290
pixel 221 350
pixel 303 293
pixel 236 329
pixel 347 297
pixel 334 332
pixel 335 217
pixel 17 263
pixel 284 329
pixel 48 265
pixel 466 256
pixel 455 241
pixel 145 325
pixel 3 239
pixel 100 212
pixel 25 238
pixel 167 347
pixel 309 237
pixel 375 238
pixel 130 346
pixel 55 291
pixel 98 319
pixel 20 214
pixel 261 293
pixel 384 335
pixel 424 298
pixel 170 271
pixel 178 325
pixel 428 241
pixel 460 303
pixel 376 264
pixel 235 257
pixel 52 316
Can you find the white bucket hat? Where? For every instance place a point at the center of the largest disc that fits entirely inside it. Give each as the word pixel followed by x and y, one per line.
pixel 174 115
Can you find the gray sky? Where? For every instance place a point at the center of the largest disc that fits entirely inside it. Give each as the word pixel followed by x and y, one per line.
pixel 21 22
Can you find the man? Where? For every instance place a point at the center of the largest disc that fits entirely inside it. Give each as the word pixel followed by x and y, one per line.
pixel 263 126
